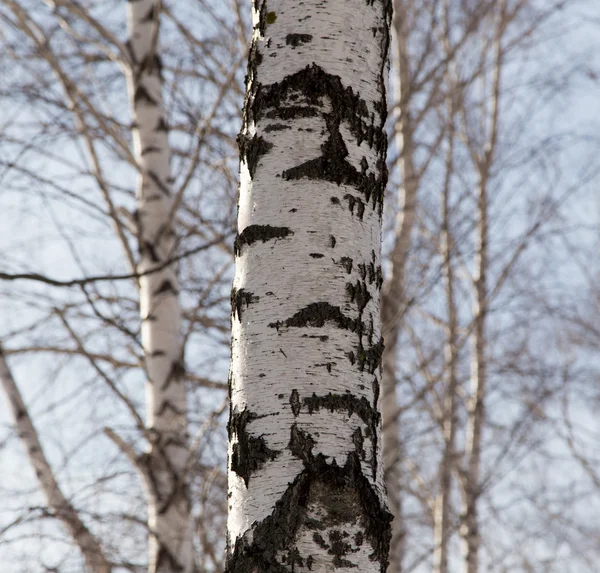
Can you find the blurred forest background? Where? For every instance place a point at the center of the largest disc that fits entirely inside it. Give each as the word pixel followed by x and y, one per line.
pixel 491 293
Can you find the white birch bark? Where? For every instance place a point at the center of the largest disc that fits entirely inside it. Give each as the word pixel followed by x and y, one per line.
pixel 393 300
pixel 169 508
pixel 306 488
pixel 93 554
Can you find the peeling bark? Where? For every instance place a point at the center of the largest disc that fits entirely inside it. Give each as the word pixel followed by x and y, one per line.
pixel 169 508
pixel 306 478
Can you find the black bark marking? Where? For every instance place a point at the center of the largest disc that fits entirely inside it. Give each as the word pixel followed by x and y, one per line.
pixel 142 95
pixel 343 403
pixel 149 17
pixel 150 149
pixel 359 442
pixel 296 40
pixel 340 549
pixel 238 298
pixel 368 353
pixel 316 315
pixel 255 233
pixel 162 125
pixel 317 255
pixel 293 112
pixel 320 541
pixel 152 63
pixel 146 248
pixel 176 373
pixel 276 127
pixel 248 453
pixel 359 538
pixel 347 263
pixel 295 402
pixel 301 443
pixel 346 494
pixel 328 365
pixel 166 405
pixel 293 558
pixel 355 202
pixel 157 181
pixel 166 561
pixel 359 294
pixel 314 84
pixel 332 241
pixel 323 338
pixel 166 287
pixel 369 358
pixel 252 149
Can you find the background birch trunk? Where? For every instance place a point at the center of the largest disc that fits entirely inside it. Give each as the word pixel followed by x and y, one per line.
pixel 476 405
pixel 164 470
pixel 483 160
pixel 91 549
pixel 442 509
pixel 306 475
pixel 393 300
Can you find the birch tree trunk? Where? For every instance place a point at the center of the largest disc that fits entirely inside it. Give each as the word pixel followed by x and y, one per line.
pixel 442 506
pixel 470 528
pixel 164 469
pixel 471 537
pixel 93 554
pixel 393 300
pixel 306 488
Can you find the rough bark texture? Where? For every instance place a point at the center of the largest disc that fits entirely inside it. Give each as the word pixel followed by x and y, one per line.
pixel 393 300
pixel 93 554
pixel 169 511
pixel 306 486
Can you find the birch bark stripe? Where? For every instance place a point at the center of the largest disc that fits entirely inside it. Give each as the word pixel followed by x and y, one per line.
pixel 306 479
pixel 95 559
pixel 169 511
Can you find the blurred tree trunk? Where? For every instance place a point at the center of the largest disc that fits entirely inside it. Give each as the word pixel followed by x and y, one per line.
pixel 306 475
pixel 91 549
pixel 442 507
pixel 393 299
pixel 169 508
pixel 483 160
